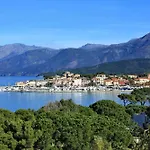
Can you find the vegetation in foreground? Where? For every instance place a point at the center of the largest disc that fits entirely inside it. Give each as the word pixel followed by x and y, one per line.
pixel 104 125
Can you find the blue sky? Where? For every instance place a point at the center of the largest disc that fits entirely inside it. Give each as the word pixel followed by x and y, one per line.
pixel 72 23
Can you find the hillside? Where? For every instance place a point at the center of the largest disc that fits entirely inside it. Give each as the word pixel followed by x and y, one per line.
pixel 91 54
pixel 19 64
pixel 11 50
pixel 15 60
pixel 135 66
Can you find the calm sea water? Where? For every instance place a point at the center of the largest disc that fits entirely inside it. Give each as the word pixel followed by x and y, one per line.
pixel 16 100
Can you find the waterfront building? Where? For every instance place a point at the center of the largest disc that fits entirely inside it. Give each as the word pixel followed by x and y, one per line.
pixel 77 82
pixel 141 80
pixel 31 83
pixel 99 79
pixel 41 82
pixel 20 84
pixel 108 82
pixel 85 82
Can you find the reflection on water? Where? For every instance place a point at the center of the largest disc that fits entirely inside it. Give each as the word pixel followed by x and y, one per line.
pixel 17 100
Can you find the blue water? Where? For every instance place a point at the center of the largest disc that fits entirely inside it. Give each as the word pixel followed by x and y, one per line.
pixel 140 118
pixel 16 100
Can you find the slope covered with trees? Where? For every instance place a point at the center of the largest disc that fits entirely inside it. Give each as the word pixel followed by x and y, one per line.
pixel 63 125
pixel 135 66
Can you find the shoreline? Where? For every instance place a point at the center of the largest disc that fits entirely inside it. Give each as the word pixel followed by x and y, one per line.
pixel 12 89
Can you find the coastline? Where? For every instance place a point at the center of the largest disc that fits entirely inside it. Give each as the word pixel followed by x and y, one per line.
pixel 52 90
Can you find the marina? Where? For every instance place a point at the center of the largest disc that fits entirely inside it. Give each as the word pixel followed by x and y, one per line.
pixel 64 89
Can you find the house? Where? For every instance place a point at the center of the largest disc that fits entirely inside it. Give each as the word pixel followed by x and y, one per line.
pixel 31 83
pixel 101 76
pixel 85 81
pixel 99 79
pixel 108 82
pixel 77 76
pixel 115 81
pixel 77 82
pixel 20 84
pixel 41 82
pixel 123 82
pixel 141 80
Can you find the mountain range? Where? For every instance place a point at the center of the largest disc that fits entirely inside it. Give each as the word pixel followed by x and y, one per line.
pixel 20 59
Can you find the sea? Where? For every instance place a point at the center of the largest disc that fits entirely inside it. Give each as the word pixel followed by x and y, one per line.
pixel 33 100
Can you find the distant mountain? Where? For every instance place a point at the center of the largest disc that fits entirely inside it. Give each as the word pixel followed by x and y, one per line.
pixel 134 66
pixel 91 47
pixel 69 58
pixel 97 54
pixel 11 50
pixel 30 59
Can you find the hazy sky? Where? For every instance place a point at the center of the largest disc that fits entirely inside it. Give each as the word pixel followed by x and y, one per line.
pixel 72 23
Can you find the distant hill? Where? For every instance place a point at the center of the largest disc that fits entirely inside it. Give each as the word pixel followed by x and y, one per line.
pixel 19 58
pixel 91 54
pixel 21 64
pixel 11 50
pixel 135 66
pixel 91 47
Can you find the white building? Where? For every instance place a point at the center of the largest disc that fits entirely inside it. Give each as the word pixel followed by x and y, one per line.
pixel 21 84
pixel 31 83
pixel 99 79
pixel 41 82
pixel 85 81
pixel 108 82
pixel 77 82
pixel 141 80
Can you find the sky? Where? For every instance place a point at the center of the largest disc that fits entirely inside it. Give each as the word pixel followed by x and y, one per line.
pixel 72 23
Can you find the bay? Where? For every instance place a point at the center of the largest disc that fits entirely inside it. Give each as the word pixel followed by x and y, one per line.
pixel 17 100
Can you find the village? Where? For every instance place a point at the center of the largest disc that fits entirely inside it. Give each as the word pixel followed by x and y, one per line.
pixel 75 82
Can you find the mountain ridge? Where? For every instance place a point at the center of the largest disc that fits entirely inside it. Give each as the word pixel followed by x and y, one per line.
pixel 70 58
pixel 10 50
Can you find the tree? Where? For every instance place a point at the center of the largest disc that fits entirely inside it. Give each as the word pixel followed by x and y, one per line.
pixel 63 125
pixel 124 98
pixel 25 115
pixel 135 109
pixel 141 95
pixel 111 109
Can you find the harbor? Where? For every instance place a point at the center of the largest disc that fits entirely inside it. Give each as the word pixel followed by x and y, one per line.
pixel 70 82
pixel 65 89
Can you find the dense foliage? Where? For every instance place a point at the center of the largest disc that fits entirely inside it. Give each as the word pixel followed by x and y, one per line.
pixel 63 125
pixel 111 109
pixel 104 125
pixel 135 109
